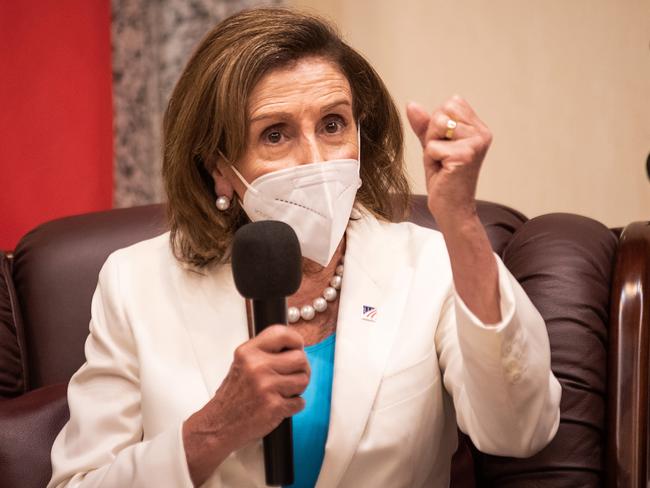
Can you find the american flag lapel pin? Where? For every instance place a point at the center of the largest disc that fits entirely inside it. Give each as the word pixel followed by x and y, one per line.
pixel 369 313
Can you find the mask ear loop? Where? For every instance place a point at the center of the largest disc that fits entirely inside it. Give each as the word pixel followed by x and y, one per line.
pixel 359 140
pixel 241 178
pixel 237 173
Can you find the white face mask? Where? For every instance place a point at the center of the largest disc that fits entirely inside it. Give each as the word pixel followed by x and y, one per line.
pixel 314 199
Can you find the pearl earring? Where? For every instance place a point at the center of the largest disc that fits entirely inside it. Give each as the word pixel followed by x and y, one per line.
pixel 223 203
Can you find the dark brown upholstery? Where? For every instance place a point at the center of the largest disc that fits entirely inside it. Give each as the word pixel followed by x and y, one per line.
pixel 28 426
pixel 564 262
pixel 500 222
pixel 55 273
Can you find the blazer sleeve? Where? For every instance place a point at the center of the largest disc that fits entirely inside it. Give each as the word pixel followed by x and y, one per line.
pixel 499 376
pixel 101 445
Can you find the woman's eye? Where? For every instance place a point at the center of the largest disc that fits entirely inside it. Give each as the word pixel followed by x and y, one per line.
pixel 331 127
pixel 334 126
pixel 274 137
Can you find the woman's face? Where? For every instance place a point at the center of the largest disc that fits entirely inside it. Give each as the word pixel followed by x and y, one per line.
pixel 296 115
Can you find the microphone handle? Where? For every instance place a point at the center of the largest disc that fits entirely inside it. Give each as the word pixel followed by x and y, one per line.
pixel 278 444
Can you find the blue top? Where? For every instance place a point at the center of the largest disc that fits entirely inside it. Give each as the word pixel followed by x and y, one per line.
pixel 310 426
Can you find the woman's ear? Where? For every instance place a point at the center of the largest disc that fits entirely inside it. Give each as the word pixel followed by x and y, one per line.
pixel 222 185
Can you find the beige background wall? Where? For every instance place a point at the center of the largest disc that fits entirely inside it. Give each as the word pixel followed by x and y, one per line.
pixel 563 84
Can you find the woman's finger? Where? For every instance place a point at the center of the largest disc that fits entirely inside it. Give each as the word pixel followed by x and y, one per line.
pixel 441 128
pixel 437 150
pixel 449 152
pixel 276 338
pixel 290 362
pixel 419 119
pixel 294 405
pixel 291 385
pixel 459 108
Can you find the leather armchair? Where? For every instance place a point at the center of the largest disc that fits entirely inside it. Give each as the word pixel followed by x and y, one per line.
pixel 590 284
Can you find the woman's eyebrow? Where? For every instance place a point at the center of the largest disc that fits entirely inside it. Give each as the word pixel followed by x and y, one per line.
pixel 286 115
pixel 271 115
pixel 335 104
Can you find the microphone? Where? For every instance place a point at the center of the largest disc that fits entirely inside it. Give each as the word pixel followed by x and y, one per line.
pixel 266 266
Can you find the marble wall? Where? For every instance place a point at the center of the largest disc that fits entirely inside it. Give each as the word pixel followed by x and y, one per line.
pixel 151 41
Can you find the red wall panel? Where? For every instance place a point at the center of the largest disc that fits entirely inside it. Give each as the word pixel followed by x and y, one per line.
pixel 55 112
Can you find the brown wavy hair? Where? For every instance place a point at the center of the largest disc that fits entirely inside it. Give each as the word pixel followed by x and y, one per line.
pixel 207 116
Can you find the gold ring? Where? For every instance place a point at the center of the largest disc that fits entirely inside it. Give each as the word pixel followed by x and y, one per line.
pixel 451 125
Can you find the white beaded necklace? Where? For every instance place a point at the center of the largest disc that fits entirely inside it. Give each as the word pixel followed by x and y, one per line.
pixel 308 312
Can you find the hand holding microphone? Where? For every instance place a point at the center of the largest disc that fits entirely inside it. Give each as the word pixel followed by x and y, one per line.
pixel 261 389
pixel 268 373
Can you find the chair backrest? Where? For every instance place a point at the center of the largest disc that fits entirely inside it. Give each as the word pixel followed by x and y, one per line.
pixel 564 262
pixel 55 269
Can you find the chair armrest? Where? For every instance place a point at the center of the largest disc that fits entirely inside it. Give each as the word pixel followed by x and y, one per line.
pixel 28 426
pixel 629 354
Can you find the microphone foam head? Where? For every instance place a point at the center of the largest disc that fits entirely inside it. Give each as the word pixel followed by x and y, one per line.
pixel 266 260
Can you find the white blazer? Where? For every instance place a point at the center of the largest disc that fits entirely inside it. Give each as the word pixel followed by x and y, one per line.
pixel 162 339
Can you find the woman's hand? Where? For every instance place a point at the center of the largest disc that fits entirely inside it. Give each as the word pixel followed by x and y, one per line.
pixel 452 165
pixel 266 377
pixel 452 161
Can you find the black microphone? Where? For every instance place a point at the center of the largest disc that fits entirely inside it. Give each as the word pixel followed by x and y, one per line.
pixel 266 266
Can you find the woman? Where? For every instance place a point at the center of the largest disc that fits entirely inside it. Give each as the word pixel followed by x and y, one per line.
pixel 398 332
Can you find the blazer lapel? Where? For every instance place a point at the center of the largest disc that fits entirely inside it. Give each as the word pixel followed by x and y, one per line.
pixel 372 300
pixel 215 319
